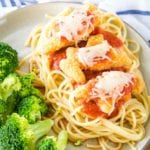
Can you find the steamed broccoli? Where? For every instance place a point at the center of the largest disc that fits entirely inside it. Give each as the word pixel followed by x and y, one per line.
pixel 8 95
pixel 9 85
pixel 32 108
pixel 18 134
pixel 53 143
pixel 18 93
pixel 27 88
pixel 48 143
pixel 31 105
pixel 8 60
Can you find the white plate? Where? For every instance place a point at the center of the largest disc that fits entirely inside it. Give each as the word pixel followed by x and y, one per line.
pixel 16 26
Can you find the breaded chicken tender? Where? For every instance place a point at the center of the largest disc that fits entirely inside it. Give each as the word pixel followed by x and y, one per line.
pixel 71 67
pixel 68 28
pixel 98 55
pixel 83 91
pixel 110 87
pixel 139 86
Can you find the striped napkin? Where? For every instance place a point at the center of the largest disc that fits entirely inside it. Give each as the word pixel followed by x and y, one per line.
pixel 134 12
pixel 15 3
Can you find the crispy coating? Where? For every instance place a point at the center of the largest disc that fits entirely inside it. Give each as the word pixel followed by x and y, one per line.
pixel 139 83
pixel 95 39
pixel 49 44
pixel 82 92
pixel 71 67
pixel 119 59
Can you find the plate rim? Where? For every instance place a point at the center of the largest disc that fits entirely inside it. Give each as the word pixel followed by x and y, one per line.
pixel 68 2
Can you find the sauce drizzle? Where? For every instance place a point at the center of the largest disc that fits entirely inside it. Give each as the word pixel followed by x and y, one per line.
pixel 111 38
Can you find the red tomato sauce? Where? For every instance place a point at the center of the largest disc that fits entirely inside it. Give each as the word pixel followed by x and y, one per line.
pixel 82 44
pixel 111 38
pixel 90 74
pixel 127 89
pixel 55 59
pixel 92 109
pixel 124 69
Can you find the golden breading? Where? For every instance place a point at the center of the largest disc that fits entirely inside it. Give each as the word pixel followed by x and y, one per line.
pixel 118 59
pixel 94 39
pixel 121 59
pixel 139 86
pixel 71 67
pixel 50 39
pixel 83 91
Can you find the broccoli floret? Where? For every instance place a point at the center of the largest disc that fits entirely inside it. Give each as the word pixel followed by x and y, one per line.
pixel 27 88
pixel 18 134
pixel 48 143
pixel 53 143
pixel 8 96
pixel 32 105
pixel 32 108
pixel 18 93
pixel 9 85
pixel 8 60
pixel 7 107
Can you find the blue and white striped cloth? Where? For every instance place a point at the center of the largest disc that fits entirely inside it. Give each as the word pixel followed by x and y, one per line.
pixel 16 3
pixel 134 12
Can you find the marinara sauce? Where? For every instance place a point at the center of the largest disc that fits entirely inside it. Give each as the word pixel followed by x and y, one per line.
pixel 111 38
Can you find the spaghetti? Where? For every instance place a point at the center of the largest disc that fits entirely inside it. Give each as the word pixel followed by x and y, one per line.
pixel 123 122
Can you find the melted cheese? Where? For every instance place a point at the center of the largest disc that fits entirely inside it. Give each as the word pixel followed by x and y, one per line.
pixel 111 84
pixel 88 56
pixel 71 25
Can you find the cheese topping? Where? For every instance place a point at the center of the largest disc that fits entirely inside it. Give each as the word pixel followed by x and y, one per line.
pixel 71 25
pixel 111 85
pixel 89 56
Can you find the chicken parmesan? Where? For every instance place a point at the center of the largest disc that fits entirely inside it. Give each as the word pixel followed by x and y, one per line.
pixel 85 66
pixel 68 28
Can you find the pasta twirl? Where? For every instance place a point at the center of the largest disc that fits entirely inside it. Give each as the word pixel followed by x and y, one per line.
pixel 90 75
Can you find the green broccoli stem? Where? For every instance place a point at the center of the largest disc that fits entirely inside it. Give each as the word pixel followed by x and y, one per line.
pixel 41 128
pixel 62 140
